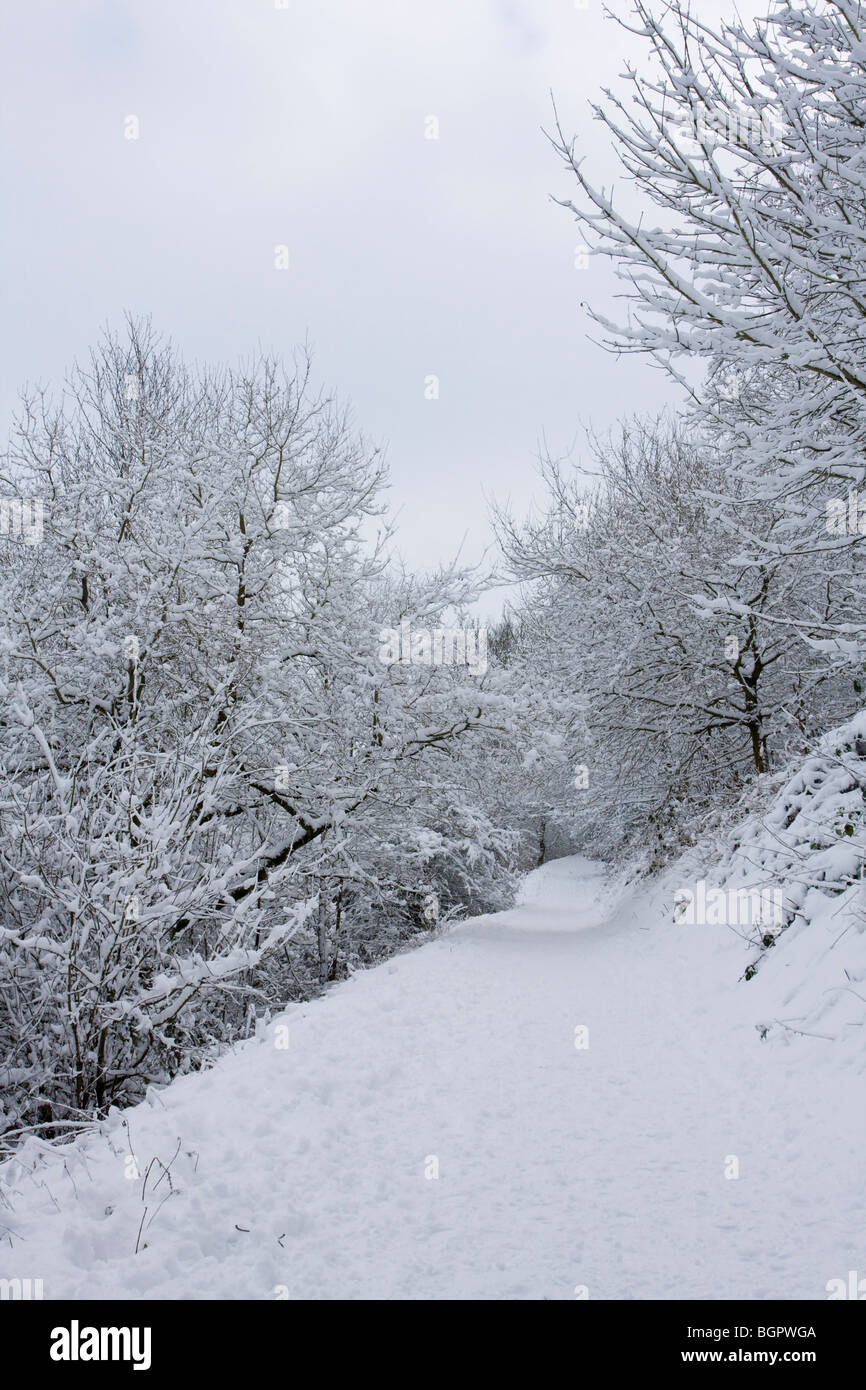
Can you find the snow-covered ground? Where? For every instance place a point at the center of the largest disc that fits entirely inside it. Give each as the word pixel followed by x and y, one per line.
pixel 308 1170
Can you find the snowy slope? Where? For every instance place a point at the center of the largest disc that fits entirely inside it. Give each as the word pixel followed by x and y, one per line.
pixel 809 843
pixel 300 1172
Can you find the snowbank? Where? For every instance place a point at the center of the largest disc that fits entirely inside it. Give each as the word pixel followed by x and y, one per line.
pixel 804 975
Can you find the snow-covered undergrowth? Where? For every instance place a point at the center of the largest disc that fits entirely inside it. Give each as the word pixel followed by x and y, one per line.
pixel 803 963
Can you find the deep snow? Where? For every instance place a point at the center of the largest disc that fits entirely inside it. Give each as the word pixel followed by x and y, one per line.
pixel 302 1171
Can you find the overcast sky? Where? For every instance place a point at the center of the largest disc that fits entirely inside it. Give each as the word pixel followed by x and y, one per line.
pixel 305 126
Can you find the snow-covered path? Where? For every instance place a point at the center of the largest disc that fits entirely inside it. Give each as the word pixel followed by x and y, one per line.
pixel 306 1171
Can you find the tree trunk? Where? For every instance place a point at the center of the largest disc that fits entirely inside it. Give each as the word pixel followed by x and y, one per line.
pixel 324 955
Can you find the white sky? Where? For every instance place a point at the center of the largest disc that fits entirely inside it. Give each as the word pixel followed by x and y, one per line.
pixel 305 126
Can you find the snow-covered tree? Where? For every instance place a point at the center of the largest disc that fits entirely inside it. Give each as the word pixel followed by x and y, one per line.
pixel 655 636
pixel 741 245
pixel 211 785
